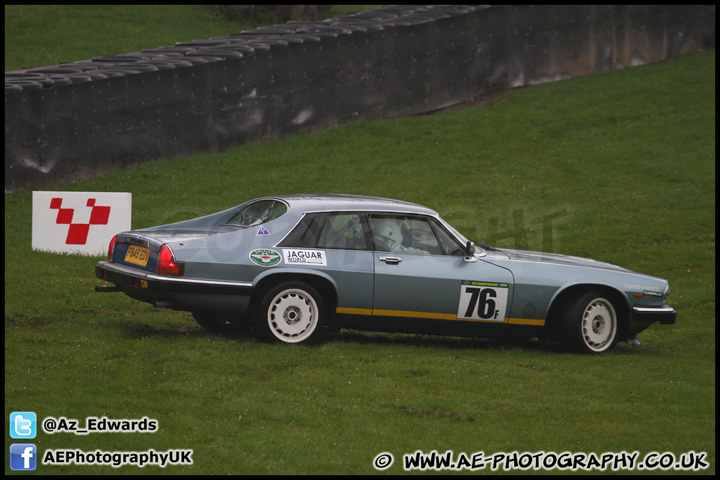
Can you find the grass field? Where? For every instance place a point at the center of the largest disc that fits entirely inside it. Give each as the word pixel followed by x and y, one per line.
pixel 617 166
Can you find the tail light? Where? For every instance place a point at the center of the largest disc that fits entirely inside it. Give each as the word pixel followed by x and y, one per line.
pixel 111 248
pixel 167 263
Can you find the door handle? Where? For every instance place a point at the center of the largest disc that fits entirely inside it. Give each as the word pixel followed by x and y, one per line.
pixel 391 260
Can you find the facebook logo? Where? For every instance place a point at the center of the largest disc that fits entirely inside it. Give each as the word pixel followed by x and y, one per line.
pixel 23 425
pixel 23 456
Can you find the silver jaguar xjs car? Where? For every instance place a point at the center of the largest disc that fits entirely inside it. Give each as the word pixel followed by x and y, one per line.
pixel 296 267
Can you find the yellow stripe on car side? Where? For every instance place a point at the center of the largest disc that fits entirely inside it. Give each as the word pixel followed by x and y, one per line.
pixel 437 316
pixel 527 321
pixel 354 311
pixel 402 313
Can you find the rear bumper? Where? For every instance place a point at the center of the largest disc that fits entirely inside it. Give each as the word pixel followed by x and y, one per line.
pixel 165 290
pixel 665 314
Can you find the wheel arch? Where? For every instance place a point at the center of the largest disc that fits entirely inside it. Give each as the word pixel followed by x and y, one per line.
pixel 323 283
pixel 567 292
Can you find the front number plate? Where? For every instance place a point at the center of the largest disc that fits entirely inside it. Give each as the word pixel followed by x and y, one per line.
pixel 137 255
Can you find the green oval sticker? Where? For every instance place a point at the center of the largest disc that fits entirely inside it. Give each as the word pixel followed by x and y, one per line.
pixel 265 257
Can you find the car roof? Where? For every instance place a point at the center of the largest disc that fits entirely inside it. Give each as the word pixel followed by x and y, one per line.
pixel 328 202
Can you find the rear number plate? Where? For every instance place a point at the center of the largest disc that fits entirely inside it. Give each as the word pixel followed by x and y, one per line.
pixel 137 255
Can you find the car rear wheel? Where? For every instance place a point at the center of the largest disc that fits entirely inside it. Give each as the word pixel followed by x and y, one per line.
pixel 590 323
pixel 291 312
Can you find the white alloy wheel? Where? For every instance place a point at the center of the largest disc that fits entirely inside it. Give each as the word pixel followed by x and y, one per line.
pixel 292 315
pixel 599 325
pixel 590 322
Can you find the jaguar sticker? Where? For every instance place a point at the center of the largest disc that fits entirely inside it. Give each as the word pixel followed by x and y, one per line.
pixel 305 257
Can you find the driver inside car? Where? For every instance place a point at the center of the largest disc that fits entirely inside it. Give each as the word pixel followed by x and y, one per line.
pixel 393 235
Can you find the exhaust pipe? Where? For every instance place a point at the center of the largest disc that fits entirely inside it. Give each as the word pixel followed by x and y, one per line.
pixel 114 288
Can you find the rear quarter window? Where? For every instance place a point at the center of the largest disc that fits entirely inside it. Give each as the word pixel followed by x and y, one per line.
pixel 306 232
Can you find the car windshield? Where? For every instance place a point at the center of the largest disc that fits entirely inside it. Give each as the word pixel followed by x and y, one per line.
pixel 258 213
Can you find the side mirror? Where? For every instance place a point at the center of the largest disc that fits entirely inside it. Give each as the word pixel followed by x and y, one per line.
pixel 470 252
pixel 470 248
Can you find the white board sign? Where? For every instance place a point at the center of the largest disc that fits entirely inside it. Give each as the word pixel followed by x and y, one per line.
pixel 79 222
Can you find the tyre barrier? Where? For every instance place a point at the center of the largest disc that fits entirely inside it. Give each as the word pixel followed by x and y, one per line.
pixel 86 118
pixel 254 41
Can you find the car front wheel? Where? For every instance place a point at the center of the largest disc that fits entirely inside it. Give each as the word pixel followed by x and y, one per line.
pixel 291 312
pixel 590 323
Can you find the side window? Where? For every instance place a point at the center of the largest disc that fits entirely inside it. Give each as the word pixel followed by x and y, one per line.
pixel 306 232
pixel 402 233
pixel 448 244
pixel 343 231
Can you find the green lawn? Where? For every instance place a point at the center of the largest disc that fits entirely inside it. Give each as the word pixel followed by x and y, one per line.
pixel 617 166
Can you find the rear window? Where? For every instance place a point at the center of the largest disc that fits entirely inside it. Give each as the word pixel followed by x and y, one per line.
pixel 258 213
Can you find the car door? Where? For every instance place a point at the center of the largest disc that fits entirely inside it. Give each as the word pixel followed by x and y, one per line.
pixel 421 272
pixel 348 259
pixel 335 244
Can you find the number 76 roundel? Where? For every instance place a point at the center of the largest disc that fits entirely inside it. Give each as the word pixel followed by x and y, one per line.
pixel 485 301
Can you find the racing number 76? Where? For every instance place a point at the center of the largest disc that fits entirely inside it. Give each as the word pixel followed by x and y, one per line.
pixel 482 299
